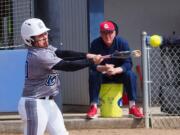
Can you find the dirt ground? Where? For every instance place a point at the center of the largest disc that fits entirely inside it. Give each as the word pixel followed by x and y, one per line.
pixel 126 132
pixel 121 132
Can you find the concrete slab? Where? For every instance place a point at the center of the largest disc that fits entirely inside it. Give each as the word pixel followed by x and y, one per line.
pixel 11 123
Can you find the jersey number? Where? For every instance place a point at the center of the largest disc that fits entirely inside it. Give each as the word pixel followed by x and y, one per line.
pixel 51 80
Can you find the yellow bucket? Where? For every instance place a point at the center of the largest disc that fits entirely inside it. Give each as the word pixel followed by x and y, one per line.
pixel 111 100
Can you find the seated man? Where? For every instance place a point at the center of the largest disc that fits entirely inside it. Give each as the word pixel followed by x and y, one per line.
pixel 111 70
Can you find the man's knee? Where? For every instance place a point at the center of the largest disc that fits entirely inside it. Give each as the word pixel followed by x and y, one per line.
pixel 130 74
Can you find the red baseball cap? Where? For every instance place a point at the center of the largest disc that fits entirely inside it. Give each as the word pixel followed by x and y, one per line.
pixel 107 26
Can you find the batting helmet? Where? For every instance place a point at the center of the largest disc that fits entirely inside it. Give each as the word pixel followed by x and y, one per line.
pixel 32 27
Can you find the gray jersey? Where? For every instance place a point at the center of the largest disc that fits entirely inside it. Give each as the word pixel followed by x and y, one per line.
pixel 41 80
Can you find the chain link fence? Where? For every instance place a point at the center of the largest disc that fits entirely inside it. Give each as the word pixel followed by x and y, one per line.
pixel 12 14
pixel 163 81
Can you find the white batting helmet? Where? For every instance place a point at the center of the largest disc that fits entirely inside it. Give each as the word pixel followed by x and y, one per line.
pixel 32 27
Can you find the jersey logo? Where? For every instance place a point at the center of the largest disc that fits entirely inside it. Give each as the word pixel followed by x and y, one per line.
pixel 51 80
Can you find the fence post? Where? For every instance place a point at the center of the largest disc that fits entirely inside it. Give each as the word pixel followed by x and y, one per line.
pixel 145 79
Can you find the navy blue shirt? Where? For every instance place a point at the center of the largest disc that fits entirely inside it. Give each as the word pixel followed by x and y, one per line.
pixel 98 47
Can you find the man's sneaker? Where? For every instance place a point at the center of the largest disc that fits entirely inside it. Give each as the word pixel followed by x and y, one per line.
pixel 92 112
pixel 135 112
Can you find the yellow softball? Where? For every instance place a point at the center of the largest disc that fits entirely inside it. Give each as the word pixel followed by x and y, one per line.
pixel 155 40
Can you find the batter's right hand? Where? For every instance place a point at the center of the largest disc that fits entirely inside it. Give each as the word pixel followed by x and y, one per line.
pixel 97 59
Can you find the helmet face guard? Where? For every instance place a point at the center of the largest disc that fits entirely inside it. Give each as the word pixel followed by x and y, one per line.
pixel 32 27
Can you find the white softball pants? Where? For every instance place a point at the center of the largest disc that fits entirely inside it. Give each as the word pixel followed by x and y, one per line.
pixel 39 115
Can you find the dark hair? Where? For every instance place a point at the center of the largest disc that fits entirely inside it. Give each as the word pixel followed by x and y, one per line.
pixel 116 26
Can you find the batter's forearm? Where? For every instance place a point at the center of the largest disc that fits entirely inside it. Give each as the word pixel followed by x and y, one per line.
pixel 72 65
pixel 70 55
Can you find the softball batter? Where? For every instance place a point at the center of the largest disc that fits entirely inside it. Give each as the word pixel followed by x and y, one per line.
pixel 36 106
